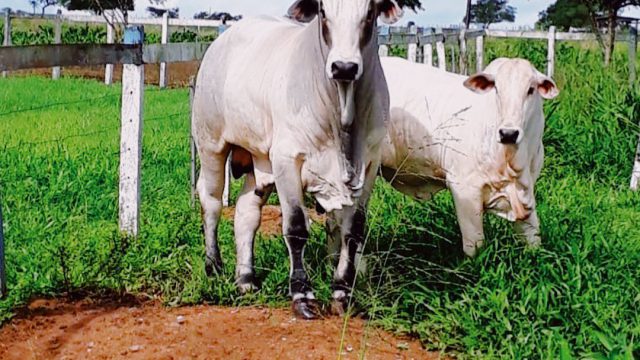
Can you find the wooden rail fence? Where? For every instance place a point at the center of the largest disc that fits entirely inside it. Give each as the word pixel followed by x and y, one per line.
pixel 165 23
pixel 425 40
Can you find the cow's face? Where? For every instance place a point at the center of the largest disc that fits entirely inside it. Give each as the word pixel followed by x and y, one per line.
pixel 518 85
pixel 347 26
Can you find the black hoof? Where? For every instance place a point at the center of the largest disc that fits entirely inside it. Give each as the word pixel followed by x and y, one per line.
pixel 339 307
pixel 305 309
pixel 247 284
pixel 212 268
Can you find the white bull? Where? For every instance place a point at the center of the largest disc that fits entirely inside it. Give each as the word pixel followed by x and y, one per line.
pixel 485 145
pixel 298 106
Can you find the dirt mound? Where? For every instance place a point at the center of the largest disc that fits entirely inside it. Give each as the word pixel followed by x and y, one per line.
pixel 52 329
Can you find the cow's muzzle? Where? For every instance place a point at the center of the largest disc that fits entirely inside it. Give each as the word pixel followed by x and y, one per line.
pixel 509 136
pixel 344 71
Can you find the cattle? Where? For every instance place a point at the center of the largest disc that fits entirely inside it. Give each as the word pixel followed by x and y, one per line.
pixel 480 137
pixel 298 104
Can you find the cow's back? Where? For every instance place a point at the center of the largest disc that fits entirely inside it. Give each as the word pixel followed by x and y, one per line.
pixel 437 126
pixel 236 78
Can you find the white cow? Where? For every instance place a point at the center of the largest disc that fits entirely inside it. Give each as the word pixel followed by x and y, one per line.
pixel 485 145
pixel 300 105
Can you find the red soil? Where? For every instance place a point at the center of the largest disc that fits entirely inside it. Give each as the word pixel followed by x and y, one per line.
pixel 271 222
pixel 56 329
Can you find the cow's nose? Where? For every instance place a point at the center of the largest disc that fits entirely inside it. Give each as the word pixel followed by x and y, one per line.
pixel 344 71
pixel 508 136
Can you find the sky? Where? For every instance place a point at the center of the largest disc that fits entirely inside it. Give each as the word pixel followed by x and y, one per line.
pixel 436 13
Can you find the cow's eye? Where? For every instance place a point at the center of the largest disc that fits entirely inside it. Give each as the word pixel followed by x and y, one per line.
pixel 531 90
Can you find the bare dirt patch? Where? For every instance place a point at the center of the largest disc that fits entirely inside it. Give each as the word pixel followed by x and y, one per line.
pixel 57 329
pixel 271 221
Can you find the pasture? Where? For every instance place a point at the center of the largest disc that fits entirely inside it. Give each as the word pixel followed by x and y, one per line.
pixel 578 296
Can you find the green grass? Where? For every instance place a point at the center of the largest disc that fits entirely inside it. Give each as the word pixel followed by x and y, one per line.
pixel 578 296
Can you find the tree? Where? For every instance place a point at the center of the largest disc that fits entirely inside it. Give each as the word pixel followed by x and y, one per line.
pixel 159 12
pixel 565 14
pixel 467 15
pixel 414 5
pixel 119 8
pixel 487 12
pixel 609 10
pixel 221 16
pixel 99 6
pixel 43 4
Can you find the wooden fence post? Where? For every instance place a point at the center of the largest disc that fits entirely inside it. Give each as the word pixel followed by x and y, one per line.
pixel 383 51
pixel 479 53
pixel 442 57
pixel 131 137
pixel 57 39
pixel 463 52
pixel 633 43
pixel 3 278
pixel 633 47
pixel 453 59
pixel 165 38
pixel 427 51
pixel 7 33
pixel 635 175
pixel 227 182
pixel 192 89
pixel 412 48
pixel 108 70
pixel 551 52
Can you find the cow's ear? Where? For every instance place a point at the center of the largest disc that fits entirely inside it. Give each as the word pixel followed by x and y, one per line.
pixel 390 11
pixel 304 10
pixel 547 87
pixel 480 83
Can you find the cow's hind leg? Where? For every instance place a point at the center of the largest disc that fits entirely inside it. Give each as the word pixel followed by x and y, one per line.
pixel 246 223
pixel 210 189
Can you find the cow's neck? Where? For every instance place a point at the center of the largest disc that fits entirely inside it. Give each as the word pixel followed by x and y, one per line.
pixel 509 161
pixel 350 136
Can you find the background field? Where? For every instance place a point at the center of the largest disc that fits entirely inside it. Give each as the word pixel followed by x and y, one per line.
pixel 578 296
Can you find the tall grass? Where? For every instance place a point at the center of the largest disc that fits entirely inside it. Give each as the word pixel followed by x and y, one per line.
pixel 576 297
pixel 579 294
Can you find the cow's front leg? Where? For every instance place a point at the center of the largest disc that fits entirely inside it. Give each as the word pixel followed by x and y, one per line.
pixel 245 225
pixel 296 233
pixel 469 210
pixel 529 229
pixel 352 225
